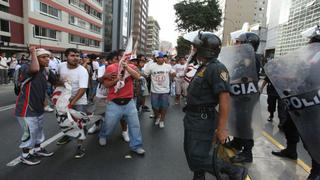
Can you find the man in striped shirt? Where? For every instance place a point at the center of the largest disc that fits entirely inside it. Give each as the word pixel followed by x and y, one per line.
pixel 30 105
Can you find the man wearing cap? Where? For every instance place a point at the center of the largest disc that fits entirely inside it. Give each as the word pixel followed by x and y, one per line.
pixel 160 87
pixel 30 105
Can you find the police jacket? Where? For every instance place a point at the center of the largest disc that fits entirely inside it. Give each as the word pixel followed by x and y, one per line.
pixel 209 81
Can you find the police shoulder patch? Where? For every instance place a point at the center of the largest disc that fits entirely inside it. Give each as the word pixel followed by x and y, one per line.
pixel 224 75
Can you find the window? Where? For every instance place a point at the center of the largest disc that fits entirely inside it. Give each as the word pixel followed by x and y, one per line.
pixel 4 8
pixel 45 33
pixel 83 41
pixel 50 11
pixel 95 29
pixel 4 25
pixel 85 7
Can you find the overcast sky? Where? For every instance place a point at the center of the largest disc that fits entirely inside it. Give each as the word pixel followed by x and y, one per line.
pixel 164 13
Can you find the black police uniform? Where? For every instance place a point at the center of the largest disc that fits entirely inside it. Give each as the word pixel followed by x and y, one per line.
pixel 201 119
pixel 272 100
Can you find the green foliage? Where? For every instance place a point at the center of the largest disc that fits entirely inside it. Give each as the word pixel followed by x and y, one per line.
pixel 192 15
pixel 183 46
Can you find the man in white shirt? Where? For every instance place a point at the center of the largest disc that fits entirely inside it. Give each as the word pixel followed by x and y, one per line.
pixel 181 84
pixel 72 72
pixel 160 87
pixel 3 69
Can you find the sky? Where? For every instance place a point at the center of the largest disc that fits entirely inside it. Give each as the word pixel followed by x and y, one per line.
pixel 164 13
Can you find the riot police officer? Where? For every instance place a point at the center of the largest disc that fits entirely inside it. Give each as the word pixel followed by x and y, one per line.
pixel 208 88
pixel 290 127
pixel 243 139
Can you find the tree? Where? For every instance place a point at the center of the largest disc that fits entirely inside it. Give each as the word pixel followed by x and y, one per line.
pixel 183 47
pixel 192 15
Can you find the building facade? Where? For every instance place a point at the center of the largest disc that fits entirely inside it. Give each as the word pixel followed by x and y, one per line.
pixel 153 29
pixel 11 26
pixel 303 14
pixel 121 23
pixel 140 24
pixel 236 13
pixel 57 24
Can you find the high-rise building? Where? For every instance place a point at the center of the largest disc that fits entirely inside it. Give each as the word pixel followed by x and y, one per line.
pixel 166 47
pixel 121 23
pixel 153 29
pixel 140 24
pixel 54 25
pixel 108 20
pixel 303 14
pixel 60 24
pixel 236 13
pixel 11 26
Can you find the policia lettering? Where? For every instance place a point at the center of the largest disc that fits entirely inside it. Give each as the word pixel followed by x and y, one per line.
pixel 243 89
pixel 303 101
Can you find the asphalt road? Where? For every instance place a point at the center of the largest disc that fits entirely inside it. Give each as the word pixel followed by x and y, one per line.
pixel 164 159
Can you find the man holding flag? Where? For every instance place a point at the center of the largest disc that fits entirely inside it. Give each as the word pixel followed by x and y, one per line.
pixel 120 103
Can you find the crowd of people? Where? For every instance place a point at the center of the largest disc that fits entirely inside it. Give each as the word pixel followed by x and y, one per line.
pixel 94 81
pixel 118 85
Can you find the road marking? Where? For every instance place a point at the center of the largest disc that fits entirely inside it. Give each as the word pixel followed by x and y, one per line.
pixel 4 108
pixel 17 160
pixel 301 163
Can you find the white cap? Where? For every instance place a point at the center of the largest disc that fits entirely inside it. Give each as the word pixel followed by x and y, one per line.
pixel 311 32
pixel 42 51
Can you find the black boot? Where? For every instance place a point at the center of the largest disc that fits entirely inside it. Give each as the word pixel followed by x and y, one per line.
pixel 234 172
pixel 234 144
pixel 246 154
pixel 199 175
pixel 315 171
pixel 290 152
pixel 286 154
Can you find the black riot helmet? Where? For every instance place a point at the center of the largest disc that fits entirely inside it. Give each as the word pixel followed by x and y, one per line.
pixel 249 38
pixel 316 37
pixel 208 45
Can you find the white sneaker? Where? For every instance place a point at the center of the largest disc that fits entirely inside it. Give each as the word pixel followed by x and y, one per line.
pixel 125 136
pixel 139 151
pixel 157 121
pixel 93 129
pixel 48 109
pixel 151 115
pixel 102 141
pixel 161 124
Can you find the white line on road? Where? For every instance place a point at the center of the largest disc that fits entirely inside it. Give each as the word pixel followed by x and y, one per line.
pixel 17 160
pixel 4 108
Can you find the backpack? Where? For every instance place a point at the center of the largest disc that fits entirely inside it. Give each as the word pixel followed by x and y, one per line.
pixel 18 84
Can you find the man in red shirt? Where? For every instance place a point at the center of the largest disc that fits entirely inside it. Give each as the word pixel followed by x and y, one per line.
pixel 121 105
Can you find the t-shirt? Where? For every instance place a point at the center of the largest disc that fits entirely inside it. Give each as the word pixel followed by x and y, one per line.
pixel 160 77
pixel 101 90
pixel 3 63
pixel 78 78
pixel 95 67
pixel 180 69
pixel 30 101
pixel 127 90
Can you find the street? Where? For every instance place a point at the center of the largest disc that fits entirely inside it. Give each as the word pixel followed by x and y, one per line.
pixel 164 157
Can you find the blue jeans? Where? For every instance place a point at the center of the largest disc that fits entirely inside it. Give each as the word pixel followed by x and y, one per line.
pixel 114 113
pixel 32 128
